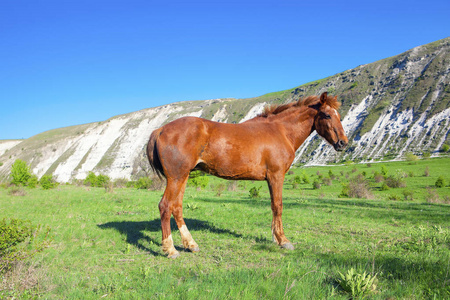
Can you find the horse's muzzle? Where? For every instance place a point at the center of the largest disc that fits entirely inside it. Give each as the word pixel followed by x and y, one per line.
pixel 340 145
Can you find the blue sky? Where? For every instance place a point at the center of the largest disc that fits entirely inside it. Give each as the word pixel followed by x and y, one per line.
pixel 65 63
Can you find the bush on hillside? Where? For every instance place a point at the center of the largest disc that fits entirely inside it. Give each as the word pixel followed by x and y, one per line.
pixel 144 183
pixel 409 156
pixel 102 180
pixel 47 182
pixel 91 179
pixel 20 173
pixel 96 181
pixel 33 181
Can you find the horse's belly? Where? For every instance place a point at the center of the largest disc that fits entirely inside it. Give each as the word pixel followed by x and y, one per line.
pixel 233 169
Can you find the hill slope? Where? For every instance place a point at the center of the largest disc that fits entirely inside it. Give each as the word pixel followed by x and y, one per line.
pixel 389 107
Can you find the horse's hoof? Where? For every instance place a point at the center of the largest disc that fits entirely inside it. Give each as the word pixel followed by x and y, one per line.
pixel 175 255
pixel 287 246
pixel 194 249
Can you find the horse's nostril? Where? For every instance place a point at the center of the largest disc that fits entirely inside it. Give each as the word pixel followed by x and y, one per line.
pixel 341 144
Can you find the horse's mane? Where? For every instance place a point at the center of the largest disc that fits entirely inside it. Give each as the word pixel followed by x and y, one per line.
pixel 308 101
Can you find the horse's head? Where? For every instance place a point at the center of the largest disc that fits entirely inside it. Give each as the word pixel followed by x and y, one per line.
pixel 327 122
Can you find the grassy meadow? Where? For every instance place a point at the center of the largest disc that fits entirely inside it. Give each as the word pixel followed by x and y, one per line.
pixel 107 244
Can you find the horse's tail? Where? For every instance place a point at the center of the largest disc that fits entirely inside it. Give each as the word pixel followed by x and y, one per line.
pixel 153 155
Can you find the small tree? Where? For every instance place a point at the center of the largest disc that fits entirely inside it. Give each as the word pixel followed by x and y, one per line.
pixel 144 183
pixel 445 148
pixel 102 180
pixel 47 182
pixel 20 173
pixel 384 170
pixel 411 156
pixel 198 180
pixel 305 177
pixel 254 192
pixel 440 182
pixel 91 179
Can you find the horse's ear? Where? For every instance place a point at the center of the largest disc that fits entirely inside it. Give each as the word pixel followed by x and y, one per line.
pixel 323 98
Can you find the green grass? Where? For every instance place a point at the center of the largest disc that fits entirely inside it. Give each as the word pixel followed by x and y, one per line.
pixel 108 244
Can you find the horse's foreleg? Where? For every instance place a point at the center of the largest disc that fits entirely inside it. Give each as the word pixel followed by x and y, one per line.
pixel 186 237
pixel 276 188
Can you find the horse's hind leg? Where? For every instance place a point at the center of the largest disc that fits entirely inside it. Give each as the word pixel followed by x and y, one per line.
pixel 171 203
pixel 166 207
pixel 186 237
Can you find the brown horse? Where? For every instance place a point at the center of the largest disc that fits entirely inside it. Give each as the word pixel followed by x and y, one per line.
pixel 262 148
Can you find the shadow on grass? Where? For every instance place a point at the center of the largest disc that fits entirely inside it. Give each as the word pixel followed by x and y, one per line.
pixel 387 210
pixel 135 231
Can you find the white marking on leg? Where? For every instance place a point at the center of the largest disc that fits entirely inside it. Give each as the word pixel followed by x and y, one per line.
pixel 168 248
pixel 188 241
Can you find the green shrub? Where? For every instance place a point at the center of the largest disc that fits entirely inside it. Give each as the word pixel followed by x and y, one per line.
pixel 408 194
pixel 440 182
pixel 33 181
pixel 144 183
pixel 254 192
pixel 96 181
pixel 394 197
pixel 327 181
pixel 20 173
pixel 297 179
pixel 47 182
pixel 384 170
pixel 357 187
pixel 316 184
pixel 378 177
pixel 13 233
pixel 445 148
pixel 395 182
pixel 198 179
pixel 330 173
pixel 305 177
pixel 357 285
pixel 384 187
pixel 131 184
pixel 344 191
pixel 91 179
pixel 409 156
pixel 102 180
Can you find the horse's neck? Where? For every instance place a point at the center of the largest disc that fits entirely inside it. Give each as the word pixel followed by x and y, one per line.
pixel 299 125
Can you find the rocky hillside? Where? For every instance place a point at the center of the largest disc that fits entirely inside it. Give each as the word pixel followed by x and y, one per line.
pixel 389 107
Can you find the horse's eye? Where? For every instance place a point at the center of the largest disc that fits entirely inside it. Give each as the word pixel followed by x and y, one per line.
pixel 326 116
